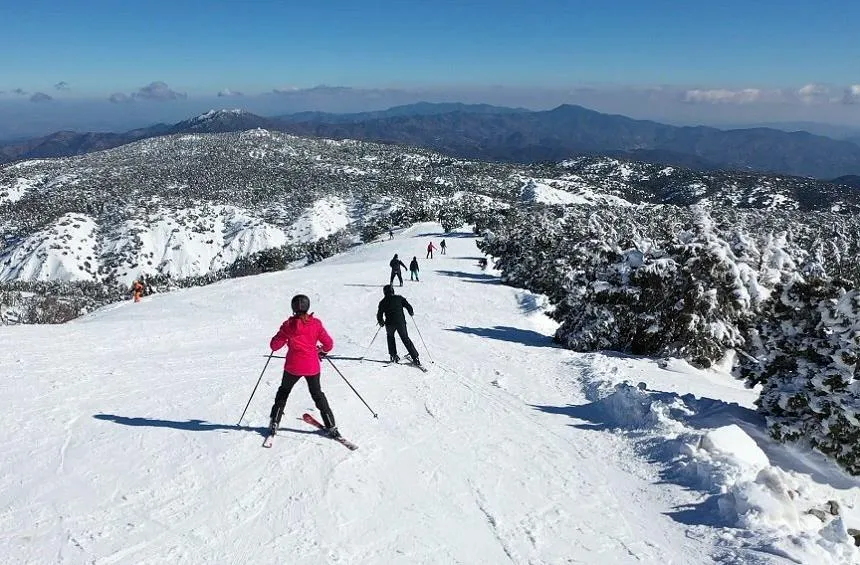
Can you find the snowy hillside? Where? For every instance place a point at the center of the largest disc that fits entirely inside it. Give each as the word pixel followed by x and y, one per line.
pixel 563 193
pixel 154 206
pixel 119 444
pixel 187 205
pixel 660 184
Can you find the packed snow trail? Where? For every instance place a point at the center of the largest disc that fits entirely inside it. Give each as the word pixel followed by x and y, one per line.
pixel 119 442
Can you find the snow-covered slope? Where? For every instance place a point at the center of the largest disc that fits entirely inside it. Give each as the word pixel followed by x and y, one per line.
pixel 189 204
pixel 180 243
pixel 562 192
pixel 118 442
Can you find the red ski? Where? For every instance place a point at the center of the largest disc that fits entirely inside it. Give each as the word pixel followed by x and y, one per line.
pixel 341 440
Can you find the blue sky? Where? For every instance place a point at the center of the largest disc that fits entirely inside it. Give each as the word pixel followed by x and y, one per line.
pixel 721 52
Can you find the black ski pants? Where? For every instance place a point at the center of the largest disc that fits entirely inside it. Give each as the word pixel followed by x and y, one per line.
pixel 396 273
pixel 404 337
pixel 287 384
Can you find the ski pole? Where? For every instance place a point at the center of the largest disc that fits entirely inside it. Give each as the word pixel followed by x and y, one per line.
pixel 375 415
pixel 422 339
pixel 255 388
pixel 371 343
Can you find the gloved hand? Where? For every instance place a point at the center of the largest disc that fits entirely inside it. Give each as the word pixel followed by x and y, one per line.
pixel 321 353
pixel 381 324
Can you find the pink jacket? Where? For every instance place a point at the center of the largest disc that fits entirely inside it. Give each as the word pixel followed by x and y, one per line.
pixel 301 337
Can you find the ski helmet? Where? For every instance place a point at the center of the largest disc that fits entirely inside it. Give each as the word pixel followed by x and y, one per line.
pixel 300 304
pixel 388 290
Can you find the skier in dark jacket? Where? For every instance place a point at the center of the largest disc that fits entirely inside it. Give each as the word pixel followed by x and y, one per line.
pixel 442 246
pixel 413 270
pixel 390 315
pixel 395 265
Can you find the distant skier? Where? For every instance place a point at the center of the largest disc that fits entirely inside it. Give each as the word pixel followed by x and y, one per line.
pixel 137 290
pixel 413 270
pixel 430 249
pixel 307 342
pixel 390 234
pixel 482 262
pixel 395 265
pixel 391 309
pixel 442 247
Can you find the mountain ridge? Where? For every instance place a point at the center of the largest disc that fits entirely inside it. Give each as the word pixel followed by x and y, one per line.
pixel 480 131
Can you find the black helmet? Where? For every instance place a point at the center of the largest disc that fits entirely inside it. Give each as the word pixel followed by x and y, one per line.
pixel 388 290
pixel 300 304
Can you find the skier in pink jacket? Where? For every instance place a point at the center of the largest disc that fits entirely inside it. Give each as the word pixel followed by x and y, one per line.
pixel 307 342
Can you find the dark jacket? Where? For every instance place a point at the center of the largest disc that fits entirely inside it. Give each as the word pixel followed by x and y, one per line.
pixel 392 306
pixel 413 266
pixel 395 265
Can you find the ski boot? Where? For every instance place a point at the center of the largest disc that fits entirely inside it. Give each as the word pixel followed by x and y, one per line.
pixel 413 361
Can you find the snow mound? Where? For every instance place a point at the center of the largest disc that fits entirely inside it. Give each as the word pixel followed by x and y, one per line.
pixel 706 445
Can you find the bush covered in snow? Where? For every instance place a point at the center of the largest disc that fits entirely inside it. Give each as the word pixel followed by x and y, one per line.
pixel 805 350
pixel 659 281
pixel 779 287
pixel 42 302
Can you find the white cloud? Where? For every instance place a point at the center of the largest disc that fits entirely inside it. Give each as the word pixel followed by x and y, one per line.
pixel 62 85
pixel 812 93
pixel 725 96
pixel 158 90
pixel 229 93
pixel 852 95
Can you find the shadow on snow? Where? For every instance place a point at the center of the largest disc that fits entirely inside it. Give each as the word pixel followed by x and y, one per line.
pixel 507 333
pixel 190 425
pixel 472 277
pixel 362 359
pixel 443 235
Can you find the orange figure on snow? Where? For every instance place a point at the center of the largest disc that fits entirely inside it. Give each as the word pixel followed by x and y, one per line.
pixel 137 288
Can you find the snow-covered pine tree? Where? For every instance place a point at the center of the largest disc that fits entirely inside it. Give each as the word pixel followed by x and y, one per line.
pixel 806 353
pixel 667 283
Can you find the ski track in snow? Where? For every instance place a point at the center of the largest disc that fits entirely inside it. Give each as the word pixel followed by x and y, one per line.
pixel 119 444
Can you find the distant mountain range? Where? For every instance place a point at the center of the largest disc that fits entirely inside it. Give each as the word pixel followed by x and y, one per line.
pixel 510 135
pixel 848 180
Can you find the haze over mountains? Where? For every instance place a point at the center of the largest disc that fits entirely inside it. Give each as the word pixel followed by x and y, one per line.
pixel 480 131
